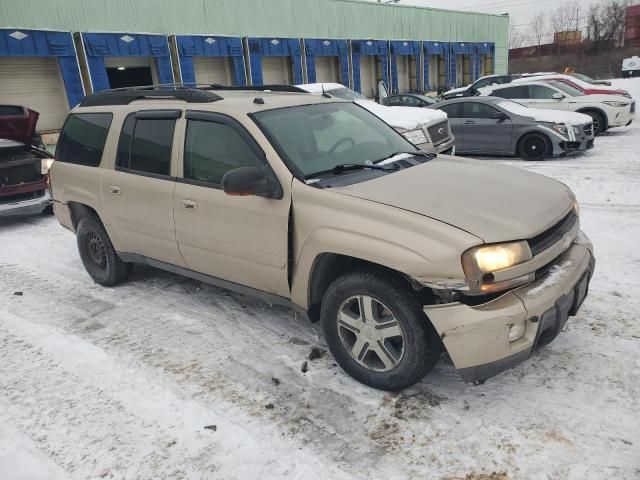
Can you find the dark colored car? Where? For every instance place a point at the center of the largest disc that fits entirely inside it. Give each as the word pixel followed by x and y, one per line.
pixel 497 126
pixel 410 100
pixel 24 165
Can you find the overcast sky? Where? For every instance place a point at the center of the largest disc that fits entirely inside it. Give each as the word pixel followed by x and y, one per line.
pixel 521 11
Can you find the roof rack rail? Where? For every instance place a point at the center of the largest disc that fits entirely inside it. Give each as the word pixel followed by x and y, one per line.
pixel 259 88
pixel 126 95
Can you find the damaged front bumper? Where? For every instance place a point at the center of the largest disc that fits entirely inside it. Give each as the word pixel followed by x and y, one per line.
pixel 477 338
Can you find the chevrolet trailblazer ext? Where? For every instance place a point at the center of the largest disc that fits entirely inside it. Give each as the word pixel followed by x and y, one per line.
pixel 316 203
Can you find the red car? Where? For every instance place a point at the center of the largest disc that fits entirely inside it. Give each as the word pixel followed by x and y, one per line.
pixel 24 167
pixel 584 87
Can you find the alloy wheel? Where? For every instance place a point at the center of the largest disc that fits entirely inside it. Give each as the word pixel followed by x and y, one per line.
pixel 370 333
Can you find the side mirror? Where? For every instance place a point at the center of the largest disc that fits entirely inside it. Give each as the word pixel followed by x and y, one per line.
pixel 557 96
pixel 246 181
pixel 499 116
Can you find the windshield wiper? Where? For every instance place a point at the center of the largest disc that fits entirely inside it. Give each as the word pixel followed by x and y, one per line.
pixel 345 167
pixel 418 153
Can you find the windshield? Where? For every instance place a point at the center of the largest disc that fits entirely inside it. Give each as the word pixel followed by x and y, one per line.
pixel 346 94
pixel 316 138
pixel 568 89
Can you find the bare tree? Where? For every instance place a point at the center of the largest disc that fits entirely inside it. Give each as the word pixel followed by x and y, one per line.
pixel 567 17
pixel 538 29
pixel 605 24
pixel 518 37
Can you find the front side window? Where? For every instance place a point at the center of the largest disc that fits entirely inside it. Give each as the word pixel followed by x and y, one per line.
pixel 145 145
pixel 566 88
pixel 211 149
pixel 82 138
pixel 315 138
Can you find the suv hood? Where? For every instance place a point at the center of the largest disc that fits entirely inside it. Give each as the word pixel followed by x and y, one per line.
pixel 18 123
pixel 404 118
pixel 493 202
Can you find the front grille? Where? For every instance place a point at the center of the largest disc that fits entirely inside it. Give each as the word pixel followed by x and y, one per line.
pixel 21 197
pixel 439 132
pixel 551 236
pixel 588 129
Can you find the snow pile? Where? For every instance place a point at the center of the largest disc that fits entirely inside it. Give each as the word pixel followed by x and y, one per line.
pixel 320 87
pixel 456 90
pixel 544 115
pixel 553 277
pixel 407 118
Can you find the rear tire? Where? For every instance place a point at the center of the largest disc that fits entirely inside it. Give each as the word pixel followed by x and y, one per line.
pixel 598 122
pixel 534 147
pixel 395 343
pixel 98 255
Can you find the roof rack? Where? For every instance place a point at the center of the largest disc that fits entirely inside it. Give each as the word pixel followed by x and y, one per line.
pixel 124 96
pixel 257 88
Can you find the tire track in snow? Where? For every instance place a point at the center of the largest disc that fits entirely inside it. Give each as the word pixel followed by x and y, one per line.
pixel 98 416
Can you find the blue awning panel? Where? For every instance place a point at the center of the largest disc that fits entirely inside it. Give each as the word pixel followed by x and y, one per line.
pixel 100 45
pixel 45 43
pixel 190 46
pixel 274 47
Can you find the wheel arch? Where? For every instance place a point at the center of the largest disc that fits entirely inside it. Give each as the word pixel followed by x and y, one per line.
pixel 329 266
pixel 79 211
pixel 602 113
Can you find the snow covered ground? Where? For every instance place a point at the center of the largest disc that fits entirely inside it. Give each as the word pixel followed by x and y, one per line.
pixel 165 378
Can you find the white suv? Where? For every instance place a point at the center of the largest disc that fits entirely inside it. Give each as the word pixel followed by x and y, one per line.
pixel 429 130
pixel 607 111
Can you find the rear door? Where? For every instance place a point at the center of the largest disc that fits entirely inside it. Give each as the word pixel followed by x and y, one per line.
pixel 454 112
pixel 482 133
pixel 241 239
pixel 138 192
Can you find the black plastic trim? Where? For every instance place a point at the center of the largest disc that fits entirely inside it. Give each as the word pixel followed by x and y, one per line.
pixel 266 297
pixel 146 174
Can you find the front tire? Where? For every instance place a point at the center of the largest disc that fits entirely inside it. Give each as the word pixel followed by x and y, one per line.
pixel 598 122
pixel 98 255
pixel 377 331
pixel 534 147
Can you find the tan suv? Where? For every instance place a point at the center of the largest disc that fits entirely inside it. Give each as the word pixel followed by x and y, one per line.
pixel 316 203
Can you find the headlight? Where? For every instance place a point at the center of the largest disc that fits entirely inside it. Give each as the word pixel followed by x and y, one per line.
pixel 415 136
pixel 492 258
pixel 46 165
pixel 615 104
pixel 561 128
pixel 479 264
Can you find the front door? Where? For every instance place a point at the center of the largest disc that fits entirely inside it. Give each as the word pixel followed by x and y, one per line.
pixel 138 193
pixel 241 239
pixel 483 131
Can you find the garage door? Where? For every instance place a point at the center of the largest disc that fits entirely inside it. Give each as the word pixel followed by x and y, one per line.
pixel 367 75
pixel 213 70
pixel 403 73
pixel 35 82
pixel 327 69
pixel 413 74
pixel 276 70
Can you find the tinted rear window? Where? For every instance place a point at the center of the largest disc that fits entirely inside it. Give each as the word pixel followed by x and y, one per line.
pixel 11 111
pixel 145 145
pixel 82 138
